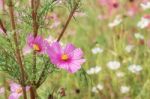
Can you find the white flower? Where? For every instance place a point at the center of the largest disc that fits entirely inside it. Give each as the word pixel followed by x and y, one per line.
pixel 124 89
pixel 135 68
pixel 97 50
pixel 120 74
pixel 138 36
pixel 97 88
pixel 143 23
pixel 94 70
pixel 100 87
pixel 115 22
pixel 94 89
pixel 145 5
pixel 114 65
pixel 129 48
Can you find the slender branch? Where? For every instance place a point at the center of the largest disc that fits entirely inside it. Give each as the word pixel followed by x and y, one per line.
pixel 33 93
pixel 34 68
pixel 18 55
pixel 35 25
pixel 34 6
pixel 42 75
pixel 68 21
pixel 5 33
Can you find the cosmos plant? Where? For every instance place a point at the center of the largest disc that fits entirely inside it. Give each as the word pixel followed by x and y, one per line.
pixel 27 56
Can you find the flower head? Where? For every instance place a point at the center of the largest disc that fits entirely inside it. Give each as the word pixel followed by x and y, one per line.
pixel 115 22
pixel 138 36
pixel 120 74
pixel 68 58
pixel 113 65
pixel 1 4
pixel 97 88
pixel 94 70
pixel 37 44
pixel 111 5
pixel 124 89
pixel 2 90
pixel 135 68
pixel 143 23
pixel 145 5
pixel 97 50
pixel 129 48
pixel 16 90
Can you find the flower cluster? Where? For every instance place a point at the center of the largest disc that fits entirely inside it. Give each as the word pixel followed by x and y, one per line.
pixel 68 58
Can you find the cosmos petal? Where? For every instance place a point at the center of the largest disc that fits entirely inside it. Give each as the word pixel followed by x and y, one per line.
pixel 69 48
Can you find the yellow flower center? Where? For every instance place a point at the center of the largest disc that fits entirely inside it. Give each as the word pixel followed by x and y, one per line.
pixel 64 57
pixel 36 47
pixel 19 90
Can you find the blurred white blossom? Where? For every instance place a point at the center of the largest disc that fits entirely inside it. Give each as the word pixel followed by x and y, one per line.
pixel 138 36
pixel 120 74
pixel 124 89
pixel 94 89
pixel 113 65
pixel 97 88
pixel 145 5
pixel 94 70
pixel 135 68
pixel 129 48
pixel 143 23
pixel 115 22
pixel 97 50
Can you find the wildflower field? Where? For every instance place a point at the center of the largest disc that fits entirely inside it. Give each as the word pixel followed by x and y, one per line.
pixel 74 49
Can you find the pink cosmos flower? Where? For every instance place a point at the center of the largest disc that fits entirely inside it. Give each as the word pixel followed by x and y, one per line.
pixel 16 90
pixel 1 4
pixel 37 44
pixel 111 5
pixel 2 90
pixel 147 16
pixel 132 7
pixel 132 10
pixel 68 58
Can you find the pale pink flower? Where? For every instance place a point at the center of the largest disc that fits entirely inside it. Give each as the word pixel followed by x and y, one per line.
pixel 2 90
pixel 16 90
pixel 37 44
pixel 1 4
pixel 132 10
pixel 111 5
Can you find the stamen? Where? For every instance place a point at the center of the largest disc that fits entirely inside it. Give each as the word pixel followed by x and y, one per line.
pixel 36 47
pixel 19 90
pixel 64 57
